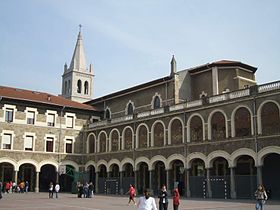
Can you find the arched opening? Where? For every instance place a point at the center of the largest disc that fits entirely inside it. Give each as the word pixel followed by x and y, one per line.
pixel 270 119
pixel 65 87
pixel 128 139
pixel 245 177
pixel 196 129
pixel 86 88
pixel 143 178
pixel 102 175
pixel 27 172
pixel 197 177
pixel 160 176
pixel 69 87
pixel 128 177
pixel 271 174
pixel 67 180
pixel 218 126
pixel 177 176
pixel 143 136
pixel 107 114
pixel 158 135
pixel 242 122
pixel 176 132
pixel 7 173
pixel 91 172
pixel 47 175
pixel 219 178
pixel 79 86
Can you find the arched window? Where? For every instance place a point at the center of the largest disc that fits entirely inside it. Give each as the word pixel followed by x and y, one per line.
pixel 242 122
pixel 79 86
pixel 107 114
pixel 270 119
pixel 130 109
pixel 156 102
pixel 196 129
pixel 69 87
pixel 86 88
pixel 102 143
pixel 158 135
pixel 218 126
pixel 176 132
pixel 65 91
pixel 143 136
pixel 114 141
pixel 128 139
pixel 91 144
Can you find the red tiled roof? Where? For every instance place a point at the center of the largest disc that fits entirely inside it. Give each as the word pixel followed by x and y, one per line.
pixel 40 97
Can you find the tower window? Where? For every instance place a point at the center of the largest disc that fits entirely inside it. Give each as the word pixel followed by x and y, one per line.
pixel 130 109
pixel 86 88
pixel 108 114
pixel 156 102
pixel 79 86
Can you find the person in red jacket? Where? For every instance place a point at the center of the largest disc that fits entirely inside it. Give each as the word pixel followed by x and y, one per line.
pixel 176 199
pixel 131 194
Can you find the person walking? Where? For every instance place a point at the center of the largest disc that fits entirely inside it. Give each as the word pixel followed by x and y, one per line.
pixel 51 190
pixel 56 189
pixel 146 202
pixel 1 186
pixel 131 193
pixel 26 186
pixel 176 199
pixel 163 200
pixel 261 197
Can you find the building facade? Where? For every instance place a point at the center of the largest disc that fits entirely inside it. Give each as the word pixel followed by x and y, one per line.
pixel 210 130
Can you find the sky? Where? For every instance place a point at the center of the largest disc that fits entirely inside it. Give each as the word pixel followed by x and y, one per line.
pixel 132 42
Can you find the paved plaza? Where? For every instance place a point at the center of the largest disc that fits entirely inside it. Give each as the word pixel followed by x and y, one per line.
pixel 40 201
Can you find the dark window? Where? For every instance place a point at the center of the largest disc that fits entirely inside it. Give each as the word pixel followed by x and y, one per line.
pixel 130 109
pixel 49 144
pixel 79 86
pixel 69 144
pixel 9 115
pixel 156 102
pixel 86 88
pixel 108 114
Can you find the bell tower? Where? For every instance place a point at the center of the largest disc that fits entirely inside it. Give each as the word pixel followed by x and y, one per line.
pixel 77 80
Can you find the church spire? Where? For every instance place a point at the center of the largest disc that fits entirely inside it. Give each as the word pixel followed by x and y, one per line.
pixel 78 61
pixel 173 66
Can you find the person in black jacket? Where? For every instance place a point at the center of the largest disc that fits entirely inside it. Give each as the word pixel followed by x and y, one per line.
pixel 163 200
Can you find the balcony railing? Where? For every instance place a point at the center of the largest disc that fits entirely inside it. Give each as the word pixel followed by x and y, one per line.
pixel 269 87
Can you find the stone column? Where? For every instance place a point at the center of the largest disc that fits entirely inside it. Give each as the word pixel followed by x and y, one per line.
pixel 121 183
pixel 16 177
pixel 167 181
pixel 57 177
pixel 108 174
pixel 259 175
pixel 37 182
pixel 187 182
pixel 151 182
pixel 232 183
pixel 209 191
pixel 96 182
pixel 136 181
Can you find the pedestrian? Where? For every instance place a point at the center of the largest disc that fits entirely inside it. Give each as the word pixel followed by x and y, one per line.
pixel 26 186
pixel 85 190
pixel 163 200
pixel 146 202
pixel 56 188
pixel 176 199
pixel 90 189
pixel 7 187
pixel 261 197
pixel 132 194
pixel 51 190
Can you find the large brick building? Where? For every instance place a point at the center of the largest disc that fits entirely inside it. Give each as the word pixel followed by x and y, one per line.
pixel 210 129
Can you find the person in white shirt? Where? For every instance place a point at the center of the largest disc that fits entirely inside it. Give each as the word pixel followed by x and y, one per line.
pixel 146 202
pixel 56 188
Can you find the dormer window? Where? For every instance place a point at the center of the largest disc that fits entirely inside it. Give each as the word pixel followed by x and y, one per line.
pixel 107 114
pixel 129 108
pixel 156 103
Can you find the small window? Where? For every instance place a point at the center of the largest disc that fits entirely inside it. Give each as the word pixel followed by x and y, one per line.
pixel 69 146
pixel 108 114
pixel 69 121
pixel 9 116
pixel 28 143
pixel 79 86
pixel 50 119
pixel 86 88
pixel 49 144
pixel 156 102
pixel 30 117
pixel 130 109
pixel 7 141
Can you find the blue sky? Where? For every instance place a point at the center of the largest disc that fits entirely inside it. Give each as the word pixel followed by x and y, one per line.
pixel 132 42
